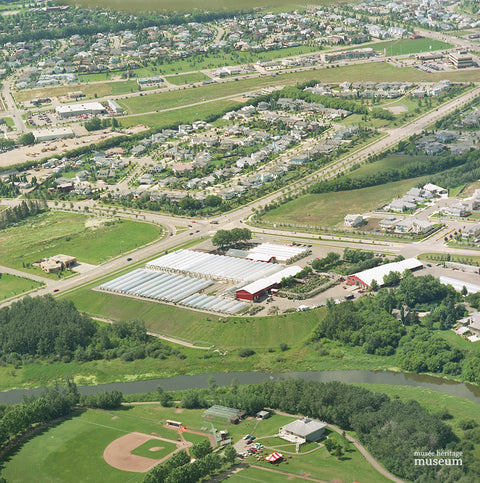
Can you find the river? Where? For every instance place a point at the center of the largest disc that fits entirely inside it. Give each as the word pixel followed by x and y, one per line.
pixel 466 391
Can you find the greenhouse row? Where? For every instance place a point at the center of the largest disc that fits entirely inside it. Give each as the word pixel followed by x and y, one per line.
pixel 170 288
pixel 216 267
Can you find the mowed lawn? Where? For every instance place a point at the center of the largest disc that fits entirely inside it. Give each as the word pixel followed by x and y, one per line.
pixel 199 327
pixel 329 209
pixel 408 46
pixel 87 238
pixel 72 451
pixel 10 285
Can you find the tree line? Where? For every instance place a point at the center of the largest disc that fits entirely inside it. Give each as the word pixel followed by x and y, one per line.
pixel 420 168
pixel 43 328
pixel 225 238
pixel 8 190
pixel 390 429
pixel 20 212
pixel 53 403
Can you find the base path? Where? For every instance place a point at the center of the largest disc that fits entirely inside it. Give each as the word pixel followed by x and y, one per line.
pixel 119 452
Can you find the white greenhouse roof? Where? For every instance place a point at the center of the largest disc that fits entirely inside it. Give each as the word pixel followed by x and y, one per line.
pixel 266 282
pixel 459 284
pixel 377 273
pixel 207 265
pixel 280 252
pixel 87 106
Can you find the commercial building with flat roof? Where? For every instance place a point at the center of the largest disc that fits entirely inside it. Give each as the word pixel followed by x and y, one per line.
pixel 460 60
pixel 42 135
pixel 71 110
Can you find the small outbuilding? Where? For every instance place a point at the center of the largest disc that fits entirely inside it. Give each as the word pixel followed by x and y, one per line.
pixel 262 415
pixel 231 415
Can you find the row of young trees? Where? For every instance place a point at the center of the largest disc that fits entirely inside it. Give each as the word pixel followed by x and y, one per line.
pixel 419 168
pixel 43 328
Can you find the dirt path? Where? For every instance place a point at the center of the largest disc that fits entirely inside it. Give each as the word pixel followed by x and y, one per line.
pixel 360 448
pixel 159 336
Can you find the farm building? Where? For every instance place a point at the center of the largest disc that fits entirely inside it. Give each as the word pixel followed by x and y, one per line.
pixel 79 109
pixel 365 278
pixel 262 415
pixel 231 415
pixel 302 430
pixel 115 106
pixel 255 290
pixel 212 267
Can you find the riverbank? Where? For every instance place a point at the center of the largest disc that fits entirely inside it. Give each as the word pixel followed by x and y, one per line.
pixel 177 383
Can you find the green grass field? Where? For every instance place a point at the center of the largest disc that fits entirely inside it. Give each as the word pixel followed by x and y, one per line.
pixel 179 115
pixel 92 90
pixel 198 327
pixel 10 285
pixel 147 449
pixel 51 233
pixel 72 451
pixel 329 209
pixel 186 78
pixel 408 46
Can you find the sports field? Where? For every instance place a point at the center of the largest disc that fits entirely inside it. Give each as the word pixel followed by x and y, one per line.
pixel 90 239
pixel 73 451
pixel 10 285
pixel 408 46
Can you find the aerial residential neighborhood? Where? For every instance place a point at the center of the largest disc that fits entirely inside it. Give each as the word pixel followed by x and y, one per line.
pixel 240 242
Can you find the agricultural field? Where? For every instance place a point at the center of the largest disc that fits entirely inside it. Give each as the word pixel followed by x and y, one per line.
pixel 92 240
pixel 10 285
pixel 329 209
pixel 91 91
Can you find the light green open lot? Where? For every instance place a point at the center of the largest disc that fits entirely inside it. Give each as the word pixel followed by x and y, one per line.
pixel 99 89
pixel 52 233
pixel 199 327
pixel 408 46
pixel 329 209
pixel 10 285
pixel 262 476
pixel 186 78
pixel 8 120
pixel 180 115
